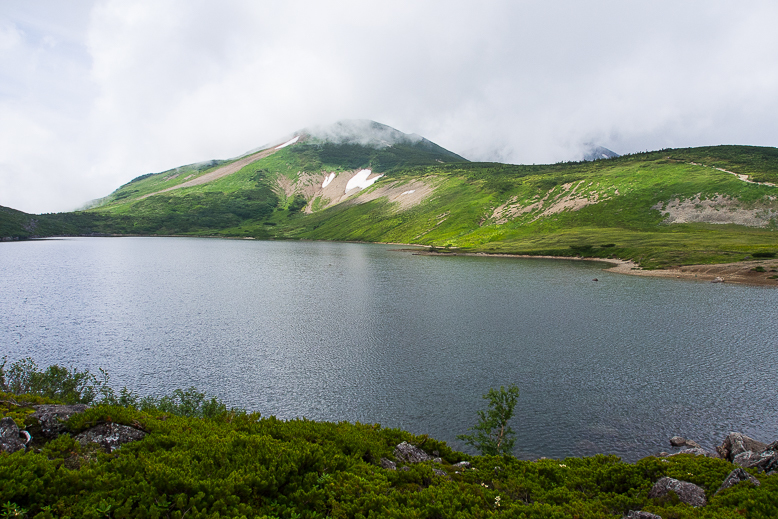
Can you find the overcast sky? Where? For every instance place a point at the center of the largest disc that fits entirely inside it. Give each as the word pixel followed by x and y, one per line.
pixel 95 93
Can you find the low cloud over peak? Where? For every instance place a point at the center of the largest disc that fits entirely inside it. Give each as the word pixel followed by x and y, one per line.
pixel 361 131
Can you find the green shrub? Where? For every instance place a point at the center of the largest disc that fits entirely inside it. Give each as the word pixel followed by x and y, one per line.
pixel 68 385
pixel 199 460
pixel 492 435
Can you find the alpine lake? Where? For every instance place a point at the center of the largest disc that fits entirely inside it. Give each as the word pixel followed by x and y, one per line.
pixel 376 334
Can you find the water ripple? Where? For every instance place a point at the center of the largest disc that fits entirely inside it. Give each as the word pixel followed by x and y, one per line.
pixel 364 333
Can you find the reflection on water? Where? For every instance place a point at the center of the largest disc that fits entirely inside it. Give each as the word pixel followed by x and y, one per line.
pixel 355 332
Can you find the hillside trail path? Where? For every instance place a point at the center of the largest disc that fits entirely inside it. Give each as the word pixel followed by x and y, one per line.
pixel 742 177
pixel 218 173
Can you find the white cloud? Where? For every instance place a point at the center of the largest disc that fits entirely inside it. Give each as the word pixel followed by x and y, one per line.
pixel 93 94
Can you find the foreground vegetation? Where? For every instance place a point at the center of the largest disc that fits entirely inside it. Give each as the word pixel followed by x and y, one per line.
pixel 231 463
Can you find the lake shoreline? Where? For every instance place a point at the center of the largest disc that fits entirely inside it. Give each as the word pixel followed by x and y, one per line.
pixel 737 273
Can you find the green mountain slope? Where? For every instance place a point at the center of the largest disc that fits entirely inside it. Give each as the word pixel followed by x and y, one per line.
pixel 658 208
pixel 360 180
pixel 17 225
pixel 699 205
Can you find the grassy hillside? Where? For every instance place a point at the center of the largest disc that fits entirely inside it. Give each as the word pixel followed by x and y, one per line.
pixel 603 209
pixel 664 208
pixel 17 225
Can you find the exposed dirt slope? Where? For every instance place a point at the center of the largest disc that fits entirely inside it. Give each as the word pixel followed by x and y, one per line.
pixel 327 189
pixel 720 209
pixel 219 172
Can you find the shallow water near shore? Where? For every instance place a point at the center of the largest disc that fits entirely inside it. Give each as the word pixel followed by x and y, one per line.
pixel 359 332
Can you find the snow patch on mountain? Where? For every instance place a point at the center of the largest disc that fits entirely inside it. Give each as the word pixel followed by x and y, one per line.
pixel 328 180
pixel 361 181
pixel 288 143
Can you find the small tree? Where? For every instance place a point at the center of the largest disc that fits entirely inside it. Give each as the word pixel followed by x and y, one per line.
pixel 492 435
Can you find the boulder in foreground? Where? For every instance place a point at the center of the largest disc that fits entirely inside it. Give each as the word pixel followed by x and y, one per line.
pixel 735 477
pixel 10 439
pixel 688 493
pixel 110 436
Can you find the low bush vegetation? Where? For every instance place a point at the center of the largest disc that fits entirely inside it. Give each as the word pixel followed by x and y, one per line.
pixel 202 460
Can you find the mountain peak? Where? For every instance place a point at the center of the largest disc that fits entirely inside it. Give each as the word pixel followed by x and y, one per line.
pixel 369 135
pixel 361 131
pixel 594 152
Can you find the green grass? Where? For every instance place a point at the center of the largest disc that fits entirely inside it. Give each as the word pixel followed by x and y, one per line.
pixel 460 211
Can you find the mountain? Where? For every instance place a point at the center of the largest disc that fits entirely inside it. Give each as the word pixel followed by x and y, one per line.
pixel 356 145
pixel 364 181
pixel 598 152
pixel 17 225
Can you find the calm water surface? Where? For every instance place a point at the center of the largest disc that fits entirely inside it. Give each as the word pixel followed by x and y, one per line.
pixel 355 332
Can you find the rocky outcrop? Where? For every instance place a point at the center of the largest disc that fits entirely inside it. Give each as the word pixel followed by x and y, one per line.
pixel 766 461
pixel 52 418
pixel 679 441
pixel 735 477
pixel 10 437
pixel 408 453
pixel 110 436
pixel 697 451
pixel 736 443
pixel 688 493
pixel 749 453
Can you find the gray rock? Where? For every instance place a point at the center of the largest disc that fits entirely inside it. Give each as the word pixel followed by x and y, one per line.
pixel 697 451
pixel 52 418
pixel 679 441
pixel 735 477
pixel 410 453
pixel 110 436
pixel 747 459
pixel 463 464
pixel 688 493
pixel 766 461
pixel 736 443
pixel 10 439
pixel 439 472
pixel 388 464
pixel 639 514
pixel 769 464
pixel 437 460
